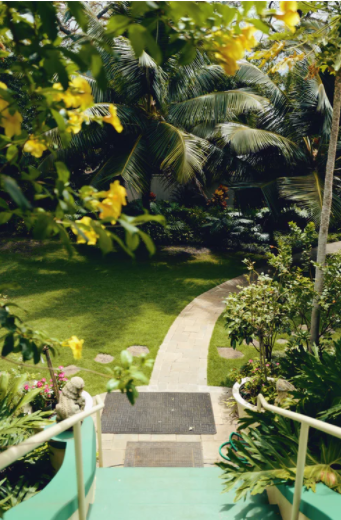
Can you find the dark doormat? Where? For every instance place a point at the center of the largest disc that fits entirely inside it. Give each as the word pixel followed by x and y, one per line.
pixel 159 412
pixel 163 455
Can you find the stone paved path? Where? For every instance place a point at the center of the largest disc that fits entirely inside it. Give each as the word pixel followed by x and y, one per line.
pixel 181 366
pixel 182 358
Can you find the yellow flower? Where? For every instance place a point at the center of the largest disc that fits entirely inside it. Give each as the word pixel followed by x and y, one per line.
pixel 77 95
pixel 84 97
pixel 290 15
pixel 90 234
pixel 75 122
pixel 247 38
pixel 113 119
pixel 10 122
pixel 3 86
pixel 234 48
pixel 35 147
pixel 111 206
pixel 75 345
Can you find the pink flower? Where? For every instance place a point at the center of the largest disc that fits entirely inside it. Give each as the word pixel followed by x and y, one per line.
pixel 60 368
pixel 50 380
pixel 256 368
pixel 250 361
pixel 43 380
pixel 39 384
pixel 61 375
pixel 277 363
pixel 262 384
pixel 26 387
pixel 46 390
pixel 267 365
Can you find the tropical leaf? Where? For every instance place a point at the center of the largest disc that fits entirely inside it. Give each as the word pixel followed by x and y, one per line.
pixel 307 192
pixel 244 140
pixel 133 165
pixel 215 107
pixel 179 152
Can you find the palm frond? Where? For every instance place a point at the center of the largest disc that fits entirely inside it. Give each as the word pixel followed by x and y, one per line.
pixel 177 152
pixel 250 75
pixel 133 165
pixel 244 140
pixel 215 107
pixel 307 192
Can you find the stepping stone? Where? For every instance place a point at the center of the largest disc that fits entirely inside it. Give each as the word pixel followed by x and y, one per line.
pixel 70 370
pixel 282 341
pixel 255 342
pixel 104 358
pixel 138 350
pixel 229 353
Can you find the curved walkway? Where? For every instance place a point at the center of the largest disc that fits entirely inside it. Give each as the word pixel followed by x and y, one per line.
pixel 181 362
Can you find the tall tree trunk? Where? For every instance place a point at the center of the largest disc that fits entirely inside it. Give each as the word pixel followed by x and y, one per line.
pixel 326 209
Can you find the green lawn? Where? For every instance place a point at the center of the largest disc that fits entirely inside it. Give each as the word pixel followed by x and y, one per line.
pixel 219 368
pixel 112 302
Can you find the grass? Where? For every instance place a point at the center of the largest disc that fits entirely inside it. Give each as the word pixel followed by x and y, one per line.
pixel 111 302
pixel 219 368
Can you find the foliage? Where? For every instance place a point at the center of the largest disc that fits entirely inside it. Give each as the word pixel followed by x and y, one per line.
pixel 15 425
pixel 256 385
pixel 26 477
pixel 282 302
pixel 316 379
pixel 46 397
pixel 219 197
pixel 29 474
pixel 271 453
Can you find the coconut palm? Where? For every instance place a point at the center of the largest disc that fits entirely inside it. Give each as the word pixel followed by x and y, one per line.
pixel 156 105
pixel 283 149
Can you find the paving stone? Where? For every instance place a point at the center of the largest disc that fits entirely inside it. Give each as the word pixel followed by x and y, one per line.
pixel 104 358
pixel 138 350
pixel 71 370
pixel 229 353
pixel 282 341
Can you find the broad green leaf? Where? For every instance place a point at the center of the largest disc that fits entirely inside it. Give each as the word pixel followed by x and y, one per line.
pixel 62 171
pixel 14 190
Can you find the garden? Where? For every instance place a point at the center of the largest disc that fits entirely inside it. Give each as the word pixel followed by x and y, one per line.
pixel 170 259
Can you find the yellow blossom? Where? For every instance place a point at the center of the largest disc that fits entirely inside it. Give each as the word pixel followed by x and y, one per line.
pixel 90 234
pixel 234 47
pixel 77 95
pixel 111 206
pixel 75 122
pixel 247 38
pixel 35 147
pixel 75 345
pixel 113 119
pixel 3 86
pixel 10 122
pixel 290 15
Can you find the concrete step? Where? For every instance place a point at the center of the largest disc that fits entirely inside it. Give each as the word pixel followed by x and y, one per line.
pixel 172 494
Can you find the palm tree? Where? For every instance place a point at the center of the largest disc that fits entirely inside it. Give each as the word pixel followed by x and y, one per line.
pixel 156 105
pixel 283 149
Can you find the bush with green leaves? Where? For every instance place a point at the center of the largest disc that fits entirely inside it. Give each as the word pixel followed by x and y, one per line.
pixel 281 302
pixel 32 472
pixel 256 384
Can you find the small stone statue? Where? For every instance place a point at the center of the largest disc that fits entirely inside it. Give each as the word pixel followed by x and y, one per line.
pixel 71 400
pixel 283 388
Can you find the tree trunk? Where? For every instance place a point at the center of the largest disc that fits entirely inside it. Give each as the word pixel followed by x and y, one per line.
pixel 326 210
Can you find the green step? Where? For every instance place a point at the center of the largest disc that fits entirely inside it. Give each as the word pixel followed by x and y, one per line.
pixel 172 494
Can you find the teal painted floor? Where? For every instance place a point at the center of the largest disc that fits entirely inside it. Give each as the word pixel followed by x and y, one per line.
pixel 171 494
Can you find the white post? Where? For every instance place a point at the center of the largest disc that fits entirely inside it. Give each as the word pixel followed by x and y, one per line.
pixel 99 434
pixel 301 458
pixel 79 470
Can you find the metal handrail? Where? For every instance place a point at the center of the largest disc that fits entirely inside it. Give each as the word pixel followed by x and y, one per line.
pixel 16 452
pixel 306 422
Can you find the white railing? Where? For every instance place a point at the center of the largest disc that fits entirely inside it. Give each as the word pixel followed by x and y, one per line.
pixel 15 452
pixel 306 422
